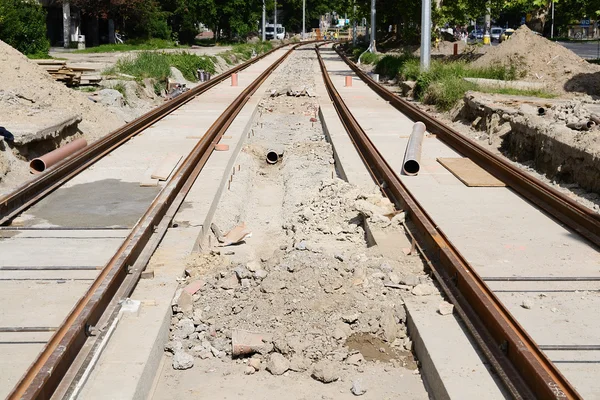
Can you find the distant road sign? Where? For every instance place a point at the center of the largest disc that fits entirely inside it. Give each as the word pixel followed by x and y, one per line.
pixel 585 22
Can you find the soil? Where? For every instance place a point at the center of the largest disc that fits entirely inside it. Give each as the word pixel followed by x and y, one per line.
pixel 28 95
pixel 541 60
pixel 306 281
pixel 523 106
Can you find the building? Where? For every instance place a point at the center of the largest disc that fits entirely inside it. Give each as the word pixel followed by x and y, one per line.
pixel 66 25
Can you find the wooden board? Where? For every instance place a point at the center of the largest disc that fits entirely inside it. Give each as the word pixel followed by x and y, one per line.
pixel 469 173
pixel 166 166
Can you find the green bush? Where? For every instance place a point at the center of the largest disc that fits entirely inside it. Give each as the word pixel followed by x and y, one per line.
pixel 443 84
pixel 390 66
pixel 149 64
pixel 23 26
pixel 370 58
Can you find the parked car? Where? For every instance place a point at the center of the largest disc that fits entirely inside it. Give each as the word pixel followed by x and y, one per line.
pixel 476 34
pixel 506 34
pixel 495 34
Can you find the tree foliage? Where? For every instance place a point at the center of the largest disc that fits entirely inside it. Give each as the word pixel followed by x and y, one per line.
pixel 23 26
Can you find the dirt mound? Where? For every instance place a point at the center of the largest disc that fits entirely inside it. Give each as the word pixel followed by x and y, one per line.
pixel 540 60
pixel 28 90
pixel 30 98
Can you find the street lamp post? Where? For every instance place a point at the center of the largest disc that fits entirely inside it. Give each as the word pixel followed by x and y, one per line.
pixel 373 29
pixel 303 19
pixel 264 22
pixel 275 21
pixel 425 34
pixel 552 26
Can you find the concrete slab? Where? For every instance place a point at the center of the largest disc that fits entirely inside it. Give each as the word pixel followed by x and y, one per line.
pixel 450 364
pixel 38 304
pixel 14 360
pixel 83 252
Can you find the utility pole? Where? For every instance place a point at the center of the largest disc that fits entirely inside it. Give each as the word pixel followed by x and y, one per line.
pixel 66 24
pixel 425 34
pixel 275 21
pixel 264 22
pixel 373 29
pixel 303 19
pixel 354 25
pixel 486 31
pixel 552 26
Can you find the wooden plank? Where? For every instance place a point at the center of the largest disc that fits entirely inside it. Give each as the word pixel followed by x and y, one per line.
pixel 166 166
pixel 470 173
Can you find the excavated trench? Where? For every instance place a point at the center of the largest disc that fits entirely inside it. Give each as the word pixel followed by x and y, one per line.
pixel 305 283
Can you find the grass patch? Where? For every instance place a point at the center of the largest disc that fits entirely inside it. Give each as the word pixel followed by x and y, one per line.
pixel 151 44
pixel 40 56
pixel 443 84
pixel 390 65
pixel 150 64
pixel 119 87
pixel 243 51
pixel 370 58
pixel 518 92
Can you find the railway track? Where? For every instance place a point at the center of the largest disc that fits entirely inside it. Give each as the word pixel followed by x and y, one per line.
pixel 81 234
pixel 495 323
pixel 90 255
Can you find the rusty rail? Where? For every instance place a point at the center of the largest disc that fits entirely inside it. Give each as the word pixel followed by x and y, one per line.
pixel 577 217
pixel 522 367
pixel 45 374
pixel 33 191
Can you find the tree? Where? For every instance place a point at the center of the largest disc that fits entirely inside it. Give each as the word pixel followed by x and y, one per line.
pixel 23 26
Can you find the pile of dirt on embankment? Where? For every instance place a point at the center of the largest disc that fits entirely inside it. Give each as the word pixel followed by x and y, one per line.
pixel 30 100
pixel 541 60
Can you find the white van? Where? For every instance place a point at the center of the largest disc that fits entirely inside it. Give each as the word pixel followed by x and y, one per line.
pixel 270 32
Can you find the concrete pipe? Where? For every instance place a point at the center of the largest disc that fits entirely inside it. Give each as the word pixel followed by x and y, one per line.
pixel 581 126
pixel 40 164
pixel 596 119
pixel 541 111
pixel 412 156
pixel 274 155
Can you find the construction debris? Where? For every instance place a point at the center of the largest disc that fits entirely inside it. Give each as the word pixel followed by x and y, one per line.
pixel 69 75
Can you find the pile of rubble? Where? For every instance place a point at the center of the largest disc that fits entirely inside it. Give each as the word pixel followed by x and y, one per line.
pixel 323 304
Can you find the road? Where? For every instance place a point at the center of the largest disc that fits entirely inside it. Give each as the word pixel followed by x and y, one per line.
pixel 584 49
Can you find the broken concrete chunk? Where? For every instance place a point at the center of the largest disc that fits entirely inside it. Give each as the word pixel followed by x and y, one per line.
pixel 246 342
pixel 350 318
pixel 445 308
pixel 260 274
pixel 355 359
pixel 277 364
pixel 325 371
pixel 527 304
pixel 255 363
pixel 231 282
pixel 423 289
pixel 358 389
pixel 184 328
pixel 242 272
pixel 299 364
pixel 182 360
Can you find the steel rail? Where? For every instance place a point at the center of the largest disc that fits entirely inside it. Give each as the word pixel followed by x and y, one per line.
pixel 31 192
pixel 520 364
pixel 45 374
pixel 574 215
